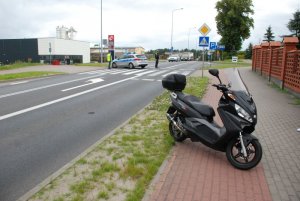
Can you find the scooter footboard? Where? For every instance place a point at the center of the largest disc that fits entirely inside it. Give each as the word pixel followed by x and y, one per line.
pixel 205 131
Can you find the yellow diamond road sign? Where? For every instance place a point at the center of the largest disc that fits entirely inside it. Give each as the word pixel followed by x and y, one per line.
pixel 204 29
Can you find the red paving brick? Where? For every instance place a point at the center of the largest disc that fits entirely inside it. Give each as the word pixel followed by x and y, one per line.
pixel 197 173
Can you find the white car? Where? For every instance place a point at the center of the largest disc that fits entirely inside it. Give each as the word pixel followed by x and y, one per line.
pixel 131 61
pixel 173 58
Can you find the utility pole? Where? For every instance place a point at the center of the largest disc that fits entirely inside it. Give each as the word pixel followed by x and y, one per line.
pixel 101 52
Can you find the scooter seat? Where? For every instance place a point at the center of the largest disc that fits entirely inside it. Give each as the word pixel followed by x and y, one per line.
pixel 199 106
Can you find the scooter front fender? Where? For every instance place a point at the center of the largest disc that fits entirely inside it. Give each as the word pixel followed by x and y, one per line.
pixel 247 138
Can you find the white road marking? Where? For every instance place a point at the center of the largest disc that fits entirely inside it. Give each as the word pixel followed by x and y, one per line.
pixel 61 99
pixel 117 71
pixel 148 79
pixel 135 71
pixel 21 82
pixel 174 66
pixel 91 72
pixel 43 87
pixel 92 81
pixel 158 73
pixel 173 72
pixel 144 73
pixel 186 73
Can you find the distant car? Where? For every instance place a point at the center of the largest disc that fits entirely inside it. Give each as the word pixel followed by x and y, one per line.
pixel 173 58
pixel 131 61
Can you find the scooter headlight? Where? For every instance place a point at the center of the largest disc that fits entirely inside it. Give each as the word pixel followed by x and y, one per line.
pixel 242 113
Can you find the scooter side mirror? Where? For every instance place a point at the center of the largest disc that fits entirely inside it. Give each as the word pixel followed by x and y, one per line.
pixel 214 72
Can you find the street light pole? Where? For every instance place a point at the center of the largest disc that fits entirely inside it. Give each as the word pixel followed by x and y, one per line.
pixel 189 36
pixel 101 54
pixel 172 28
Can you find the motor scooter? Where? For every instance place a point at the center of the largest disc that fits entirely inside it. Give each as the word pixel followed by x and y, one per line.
pixel 190 118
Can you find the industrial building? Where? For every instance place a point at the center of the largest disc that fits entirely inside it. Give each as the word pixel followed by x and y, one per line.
pixel 61 48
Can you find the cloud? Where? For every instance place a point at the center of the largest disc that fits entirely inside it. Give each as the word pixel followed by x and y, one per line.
pixel 144 23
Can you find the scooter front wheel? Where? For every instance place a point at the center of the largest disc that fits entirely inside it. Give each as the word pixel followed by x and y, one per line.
pixel 177 135
pixel 236 157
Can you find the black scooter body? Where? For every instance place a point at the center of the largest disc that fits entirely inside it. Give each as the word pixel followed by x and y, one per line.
pixel 197 118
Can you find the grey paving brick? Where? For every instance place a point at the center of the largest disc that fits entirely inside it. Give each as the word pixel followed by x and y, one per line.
pixel 278 120
pixel 291 191
pixel 284 195
pixel 293 198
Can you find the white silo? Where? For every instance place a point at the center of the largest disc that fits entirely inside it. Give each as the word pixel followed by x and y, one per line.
pixel 58 32
pixel 71 32
pixel 63 32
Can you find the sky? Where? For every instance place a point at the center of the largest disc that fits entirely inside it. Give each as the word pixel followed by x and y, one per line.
pixel 145 23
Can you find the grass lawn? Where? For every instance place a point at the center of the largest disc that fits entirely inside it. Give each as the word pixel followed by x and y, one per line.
pixel 18 65
pixel 23 75
pixel 229 64
pixel 93 64
pixel 122 166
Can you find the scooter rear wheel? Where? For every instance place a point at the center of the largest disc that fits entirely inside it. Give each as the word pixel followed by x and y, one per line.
pixel 177 135
pixel 236 158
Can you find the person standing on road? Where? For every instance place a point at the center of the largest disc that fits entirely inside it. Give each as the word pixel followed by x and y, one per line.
pixel 156 59
pixel 108 58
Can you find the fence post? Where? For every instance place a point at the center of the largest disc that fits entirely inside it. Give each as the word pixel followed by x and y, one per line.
pixel 254 58
pixel 273 45
pixel 289 44
pixel 257 56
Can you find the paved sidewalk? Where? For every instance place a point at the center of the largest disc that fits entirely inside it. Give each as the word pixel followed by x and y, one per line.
pixel 278 120
pixel 195 172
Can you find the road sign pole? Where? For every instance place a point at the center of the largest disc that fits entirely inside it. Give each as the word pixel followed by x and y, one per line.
pixel 204 40
pixel 202 61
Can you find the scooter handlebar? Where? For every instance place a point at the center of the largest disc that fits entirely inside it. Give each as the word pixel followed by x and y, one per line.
pixel 221 87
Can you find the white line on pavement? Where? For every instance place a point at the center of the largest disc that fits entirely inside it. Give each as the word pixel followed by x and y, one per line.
pixel 148 79
pixel 186 73
pixel 159 72
pixel 132 72
pixel 92 81
pixel 21 82
pixel 144 73
pixel 61 99
pixel 173 72
pixel 43 87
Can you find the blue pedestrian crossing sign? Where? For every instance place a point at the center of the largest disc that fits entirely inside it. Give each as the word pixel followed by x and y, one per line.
pixel 212 45
pixel 203 41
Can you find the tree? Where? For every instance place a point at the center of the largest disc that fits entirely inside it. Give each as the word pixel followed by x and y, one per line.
pixel 248 52
pixel 294 24
pixel 269 35
pixel 234 22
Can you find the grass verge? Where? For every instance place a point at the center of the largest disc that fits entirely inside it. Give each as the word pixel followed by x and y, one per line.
pixel 229 64
pixel 18 65
pixel 122 166
pixel 24 75
pixel 93 64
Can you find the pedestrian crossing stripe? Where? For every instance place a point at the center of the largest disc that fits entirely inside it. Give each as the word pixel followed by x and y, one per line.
pixel 144 72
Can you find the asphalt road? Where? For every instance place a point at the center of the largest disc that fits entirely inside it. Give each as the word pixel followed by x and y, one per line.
pixel 45 123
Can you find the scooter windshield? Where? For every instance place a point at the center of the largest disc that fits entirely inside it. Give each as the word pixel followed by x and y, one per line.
pixel 237 83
